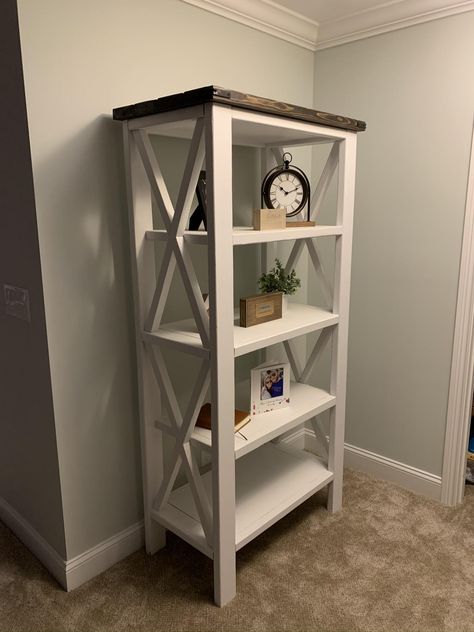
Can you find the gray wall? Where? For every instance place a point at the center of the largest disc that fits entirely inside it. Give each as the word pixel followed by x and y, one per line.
pixel 415 89
pixel 81 59
pixel 29 474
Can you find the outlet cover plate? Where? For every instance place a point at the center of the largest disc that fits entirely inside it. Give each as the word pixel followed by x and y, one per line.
pixel 17 302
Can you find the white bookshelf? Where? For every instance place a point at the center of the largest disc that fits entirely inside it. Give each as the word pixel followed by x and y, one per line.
pixel 253 478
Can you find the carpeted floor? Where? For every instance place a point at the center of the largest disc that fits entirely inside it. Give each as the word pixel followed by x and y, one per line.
pixel 390 561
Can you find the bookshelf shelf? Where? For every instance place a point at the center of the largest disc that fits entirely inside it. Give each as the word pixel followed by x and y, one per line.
pixel 300 320
pixel 244 235
pixel 306 402
pixel 270 482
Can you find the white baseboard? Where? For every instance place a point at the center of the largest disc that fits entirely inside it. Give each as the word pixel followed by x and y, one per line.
pixel 101 557
pixel 48 556
pixel 382 467
pixel 78 570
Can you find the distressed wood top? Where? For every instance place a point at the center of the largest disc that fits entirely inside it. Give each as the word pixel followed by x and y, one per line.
pixel 214 94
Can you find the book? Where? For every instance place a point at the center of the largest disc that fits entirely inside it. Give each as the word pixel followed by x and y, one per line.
pixel 204 418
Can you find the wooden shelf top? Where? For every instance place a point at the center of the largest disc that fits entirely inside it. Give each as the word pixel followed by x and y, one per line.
pixel 215 94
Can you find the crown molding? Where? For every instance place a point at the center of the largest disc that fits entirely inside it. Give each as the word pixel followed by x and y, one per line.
pixel 266 16
pixel 386 17
pixel 275 19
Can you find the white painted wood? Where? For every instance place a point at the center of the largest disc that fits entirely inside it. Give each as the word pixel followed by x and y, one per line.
pixel 155 177
pixel 271 479
pixel 270 482
pixel 381 467
pixel 243 235
pixel 324 181
pixel 257 129
pixel 168 478
pixel 277 153
pixel 269 158
pixel 142 264
pixel 176 251
pixel 162 289
pixel 406 476
pixel 98 559
pixel 462 364
pixel 73 572
pixel 221 300
pixel 321 273
pixel 299 319
pixel 178 339
pixel 186 528
pixel 318 348
pixel 193 290
pixel 182 428
pixel 35 542
pixel 305 402
pixel 278 21
pixel 342 273
pixel 316 28
pixel 294 256
pixel 251 129
pixel 293 360
pixel 320 438
pixel 201 499
pixel 386 17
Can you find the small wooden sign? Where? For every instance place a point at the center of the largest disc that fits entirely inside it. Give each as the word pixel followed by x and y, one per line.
pixel 260 308
pixel 269 218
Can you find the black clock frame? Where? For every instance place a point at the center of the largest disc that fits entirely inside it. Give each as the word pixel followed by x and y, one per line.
pixel 285 168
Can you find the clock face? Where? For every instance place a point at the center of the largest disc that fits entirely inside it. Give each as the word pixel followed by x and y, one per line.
pixel 286 189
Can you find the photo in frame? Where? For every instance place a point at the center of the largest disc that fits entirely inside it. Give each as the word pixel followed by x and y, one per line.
pixel 269 387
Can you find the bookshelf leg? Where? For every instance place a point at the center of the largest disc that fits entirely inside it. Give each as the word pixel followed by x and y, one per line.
pixel 221 296
pixel 155 537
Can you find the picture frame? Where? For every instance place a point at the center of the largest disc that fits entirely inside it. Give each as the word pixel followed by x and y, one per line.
pixel 269 387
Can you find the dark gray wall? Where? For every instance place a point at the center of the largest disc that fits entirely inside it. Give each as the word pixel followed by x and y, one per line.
pixel 29 471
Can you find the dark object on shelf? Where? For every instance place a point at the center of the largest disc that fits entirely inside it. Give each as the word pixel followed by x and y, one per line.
pixel 215 94
pixel 199 215
pixel 287 187
pixel 260 308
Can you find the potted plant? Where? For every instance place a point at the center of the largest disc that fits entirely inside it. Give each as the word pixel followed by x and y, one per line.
pixel 278 281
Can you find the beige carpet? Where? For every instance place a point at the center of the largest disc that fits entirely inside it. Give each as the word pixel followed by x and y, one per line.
pixel 390 561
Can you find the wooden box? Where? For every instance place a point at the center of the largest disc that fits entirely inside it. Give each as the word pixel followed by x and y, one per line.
pixel 269 218
pixel 260 308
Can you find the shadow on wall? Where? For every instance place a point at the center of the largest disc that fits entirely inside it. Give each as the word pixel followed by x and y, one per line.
pixel 83 227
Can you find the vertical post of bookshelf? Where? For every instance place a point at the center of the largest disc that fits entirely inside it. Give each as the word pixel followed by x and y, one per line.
pixel 221 298
pixel 342 274
pixel 143 281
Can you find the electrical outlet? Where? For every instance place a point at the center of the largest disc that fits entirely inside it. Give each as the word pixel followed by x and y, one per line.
pixel 17 302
